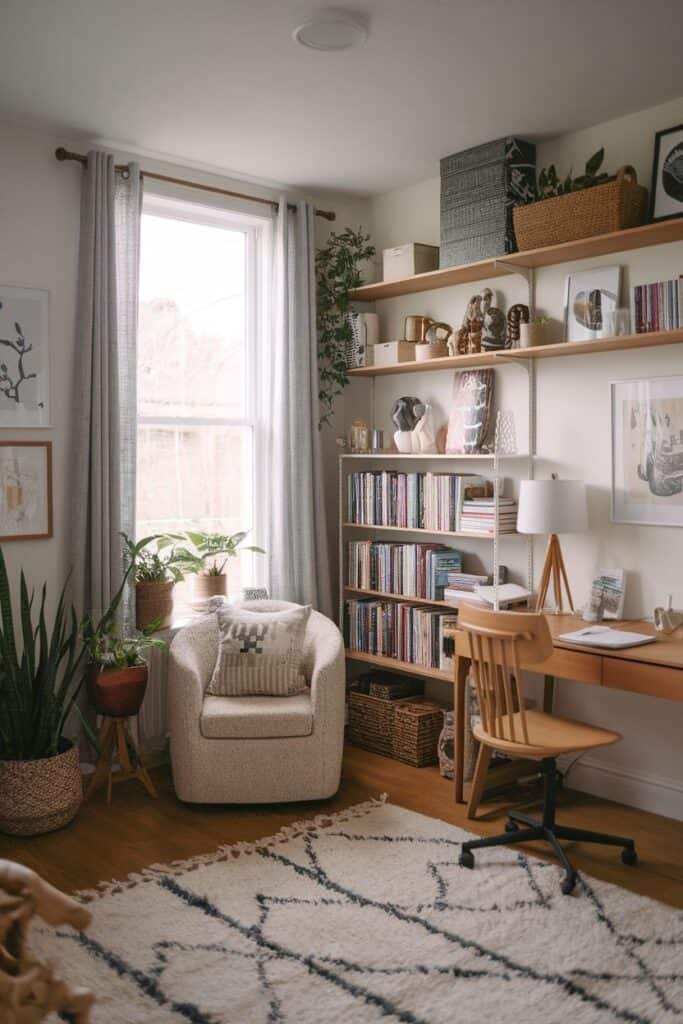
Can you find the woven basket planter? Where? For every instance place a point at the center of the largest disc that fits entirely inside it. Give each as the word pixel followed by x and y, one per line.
pixel 599 210
pixel 153 601
pixel 206 587
pixel 40 796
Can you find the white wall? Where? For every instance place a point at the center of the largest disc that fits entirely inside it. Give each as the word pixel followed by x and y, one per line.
pixel 573 438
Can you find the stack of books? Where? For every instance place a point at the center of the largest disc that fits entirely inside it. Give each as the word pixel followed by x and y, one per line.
pixel 412 570
pixel 658 306
pixel 479 515
pixel 415 501
pixel 397 630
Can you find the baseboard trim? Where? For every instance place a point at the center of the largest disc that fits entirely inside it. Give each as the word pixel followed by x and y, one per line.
pixel 654 793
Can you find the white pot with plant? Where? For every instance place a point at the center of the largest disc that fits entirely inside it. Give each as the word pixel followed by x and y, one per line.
pixel 205 557
pixel 157 570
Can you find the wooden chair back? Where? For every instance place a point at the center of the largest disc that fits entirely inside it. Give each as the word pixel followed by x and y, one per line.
pixel 499 643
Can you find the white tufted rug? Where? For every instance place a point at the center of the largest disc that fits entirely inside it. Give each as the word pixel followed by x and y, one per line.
pixel 366 916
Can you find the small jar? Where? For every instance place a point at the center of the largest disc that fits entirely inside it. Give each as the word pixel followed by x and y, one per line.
pixel 359 436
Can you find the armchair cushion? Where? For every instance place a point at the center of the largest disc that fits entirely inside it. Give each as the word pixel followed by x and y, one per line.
pixel 242 718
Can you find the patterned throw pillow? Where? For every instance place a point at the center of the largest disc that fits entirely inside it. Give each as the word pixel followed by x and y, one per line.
pixel 259 653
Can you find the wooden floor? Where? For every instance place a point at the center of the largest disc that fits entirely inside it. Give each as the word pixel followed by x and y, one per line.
pixel 106 842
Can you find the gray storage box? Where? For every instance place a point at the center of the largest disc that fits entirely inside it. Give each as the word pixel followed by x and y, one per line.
pixel 477 198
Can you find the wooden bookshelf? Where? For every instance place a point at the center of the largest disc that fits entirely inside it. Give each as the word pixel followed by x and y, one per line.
pixel 654 339
pixel 393 665
pixel 549 256
pixel 384 595
pixel 429 533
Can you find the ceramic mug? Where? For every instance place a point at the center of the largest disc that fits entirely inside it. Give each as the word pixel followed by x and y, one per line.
pixel 415 328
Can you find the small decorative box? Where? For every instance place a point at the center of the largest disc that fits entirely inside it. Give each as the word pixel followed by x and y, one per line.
pixel 408 260
pixel 388 353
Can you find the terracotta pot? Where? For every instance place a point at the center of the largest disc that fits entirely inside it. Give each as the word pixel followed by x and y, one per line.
pixel 40 796
pixel 117 692
pixel 205 587
pixel 531 335
pixel 153 601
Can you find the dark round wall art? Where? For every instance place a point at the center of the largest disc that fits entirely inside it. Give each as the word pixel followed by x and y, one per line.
pixel 672 173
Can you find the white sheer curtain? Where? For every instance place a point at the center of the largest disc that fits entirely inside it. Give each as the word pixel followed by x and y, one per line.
pixel 292 478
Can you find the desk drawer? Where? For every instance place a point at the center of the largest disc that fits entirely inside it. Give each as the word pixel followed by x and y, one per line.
pixel 639 677
pixel 584 668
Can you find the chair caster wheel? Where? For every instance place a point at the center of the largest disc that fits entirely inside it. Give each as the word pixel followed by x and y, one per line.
pixel 466 859
pixel 629 856
pixel 511 826
pixel 568 883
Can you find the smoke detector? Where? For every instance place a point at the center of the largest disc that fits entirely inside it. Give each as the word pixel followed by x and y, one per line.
pixel 331 30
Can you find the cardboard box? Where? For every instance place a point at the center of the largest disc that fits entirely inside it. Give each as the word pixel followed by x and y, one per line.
pixel 408 260
pixel 388 353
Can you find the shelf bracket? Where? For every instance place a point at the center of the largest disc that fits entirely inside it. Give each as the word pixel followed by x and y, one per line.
pixel 529 275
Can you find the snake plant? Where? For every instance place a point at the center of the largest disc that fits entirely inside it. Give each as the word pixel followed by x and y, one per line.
pixel 41 673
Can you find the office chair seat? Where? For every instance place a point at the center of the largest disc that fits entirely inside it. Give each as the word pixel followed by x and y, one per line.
pixel 549 736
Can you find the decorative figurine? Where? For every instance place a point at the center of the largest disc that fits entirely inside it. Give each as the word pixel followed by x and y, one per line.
pixel 493 323
pixel 517 314
pixel 415 425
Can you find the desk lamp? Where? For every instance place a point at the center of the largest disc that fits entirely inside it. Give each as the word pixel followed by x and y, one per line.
pixel 552 506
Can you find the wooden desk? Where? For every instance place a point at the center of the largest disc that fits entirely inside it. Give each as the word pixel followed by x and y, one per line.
pixel 654 669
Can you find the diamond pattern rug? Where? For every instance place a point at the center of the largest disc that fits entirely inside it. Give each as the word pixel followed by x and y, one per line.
pixel 366 916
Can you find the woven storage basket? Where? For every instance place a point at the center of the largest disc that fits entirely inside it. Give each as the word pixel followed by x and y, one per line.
pixel 153 601
pixel 371 722
pixel 40 796
pixel 592 211
pixel 417 727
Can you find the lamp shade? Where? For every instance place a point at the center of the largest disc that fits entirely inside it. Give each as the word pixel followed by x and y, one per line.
pixel 552 506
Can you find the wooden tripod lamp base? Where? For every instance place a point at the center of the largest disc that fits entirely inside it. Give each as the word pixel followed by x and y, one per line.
pixel 555 572
pixel 115 739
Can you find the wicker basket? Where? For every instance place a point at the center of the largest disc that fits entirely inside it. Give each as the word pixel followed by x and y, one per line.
pixel 592 211
pixel 371 722
pixel 40 796
pixel 417 727
pixel 153 601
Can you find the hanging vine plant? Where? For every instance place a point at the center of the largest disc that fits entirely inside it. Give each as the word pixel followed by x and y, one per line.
pixel 337 266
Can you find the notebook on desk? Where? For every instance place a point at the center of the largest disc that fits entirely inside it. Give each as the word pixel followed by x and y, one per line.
pixel 605 636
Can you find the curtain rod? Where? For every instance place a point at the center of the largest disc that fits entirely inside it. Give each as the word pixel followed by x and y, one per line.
pixel 65 154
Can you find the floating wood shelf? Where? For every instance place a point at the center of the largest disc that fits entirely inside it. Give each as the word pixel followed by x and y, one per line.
pixel 383 595
pixel 429 365
pixel 399 666
pixel 654 339
pixel 548 256
pixel 483 456
pixel 430 533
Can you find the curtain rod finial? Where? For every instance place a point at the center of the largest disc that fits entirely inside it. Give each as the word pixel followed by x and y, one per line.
pixel 61 153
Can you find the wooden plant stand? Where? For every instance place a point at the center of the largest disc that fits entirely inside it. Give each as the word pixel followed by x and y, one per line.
pixel 115 737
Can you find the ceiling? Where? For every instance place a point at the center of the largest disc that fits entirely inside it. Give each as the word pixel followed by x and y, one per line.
pixel 221 82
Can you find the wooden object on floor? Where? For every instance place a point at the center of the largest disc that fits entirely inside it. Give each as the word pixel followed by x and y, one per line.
pixel 115 739
pixel 29 989
pixel 655 670
pixel 555 572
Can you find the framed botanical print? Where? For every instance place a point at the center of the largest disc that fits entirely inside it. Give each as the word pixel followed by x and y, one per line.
pixel 666 195
pixel 25 490
pixel 24 358
pixel 647 451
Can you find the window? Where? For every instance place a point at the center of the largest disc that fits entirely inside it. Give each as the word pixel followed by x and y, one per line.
pixel 198 321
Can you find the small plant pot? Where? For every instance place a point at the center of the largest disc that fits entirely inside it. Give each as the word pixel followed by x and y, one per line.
pixel 532 335
pixel 118 692
pixel 40 796
pixel 206 587
pixel 153 602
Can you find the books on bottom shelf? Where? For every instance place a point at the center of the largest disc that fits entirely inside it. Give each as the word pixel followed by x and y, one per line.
pixel 479 515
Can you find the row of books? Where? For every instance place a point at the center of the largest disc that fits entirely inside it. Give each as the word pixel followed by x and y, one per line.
pixel 412 570
pixel 658 306
pixel 478 515
pixel 398 630
pixel 416 501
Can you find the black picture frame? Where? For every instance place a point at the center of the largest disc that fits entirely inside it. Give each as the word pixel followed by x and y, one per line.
pixel 655 176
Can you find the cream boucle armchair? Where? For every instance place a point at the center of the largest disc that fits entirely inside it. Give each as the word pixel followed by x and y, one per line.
pixel 256 749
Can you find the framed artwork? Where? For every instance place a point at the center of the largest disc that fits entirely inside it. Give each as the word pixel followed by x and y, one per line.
pixel 25 490
pixel 589 296
pixel 607 596
pixel 24 358
pixel 647 451
pixel 666 194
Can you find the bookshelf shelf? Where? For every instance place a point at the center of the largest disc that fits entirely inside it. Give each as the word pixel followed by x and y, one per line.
pixel 383 595
pixel 485 457
pixel 378 661
pixel 653 339
pixel 429 366
pixel 548 256
pixel 429 533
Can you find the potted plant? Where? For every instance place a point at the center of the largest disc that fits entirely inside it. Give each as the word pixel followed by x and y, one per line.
pixel 534 332
pixel 205 556
pixel 41 673
pixel 156 573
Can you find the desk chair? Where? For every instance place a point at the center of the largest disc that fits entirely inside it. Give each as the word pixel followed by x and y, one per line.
pixel 500 642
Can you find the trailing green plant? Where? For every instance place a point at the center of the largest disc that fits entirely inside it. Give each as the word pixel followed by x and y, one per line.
pixel 548 184
pixel 41 673
pixel 337 265
pixel 200 553
pixel 156 562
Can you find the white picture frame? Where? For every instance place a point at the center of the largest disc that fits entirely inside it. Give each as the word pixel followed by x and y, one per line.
pixel 588 296
pixel 24 358
pixel 647 451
